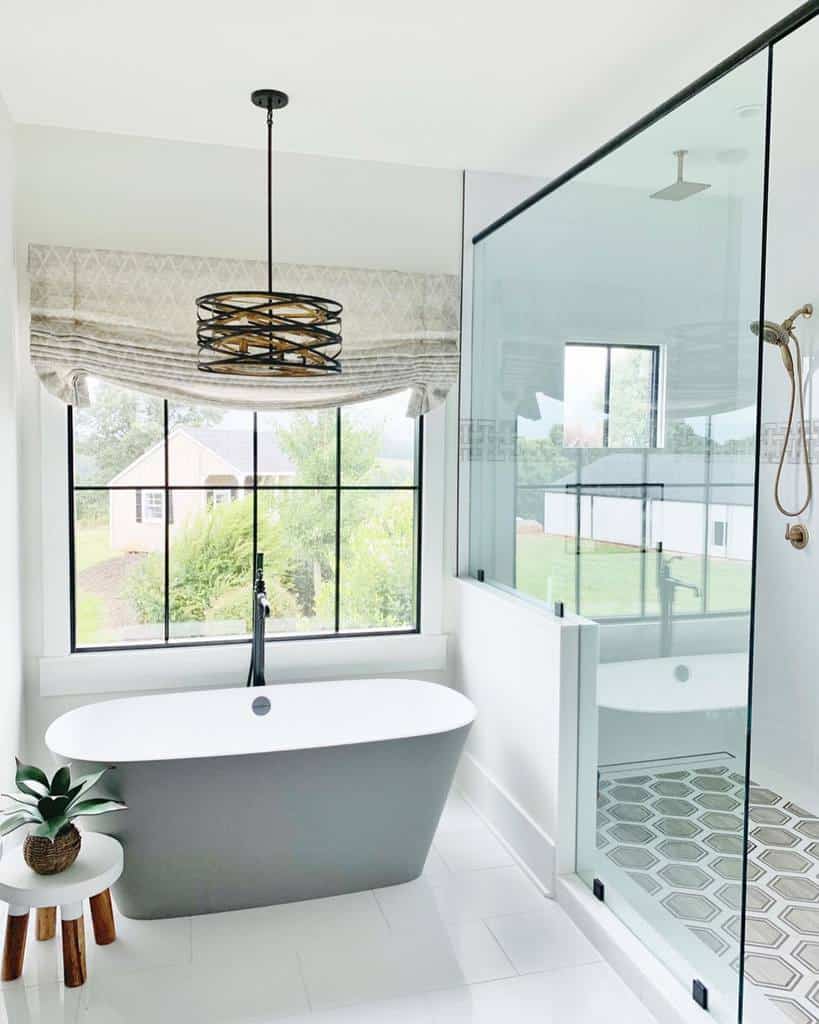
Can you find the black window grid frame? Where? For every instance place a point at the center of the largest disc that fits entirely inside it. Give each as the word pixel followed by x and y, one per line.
pixel 337 488
pixel 653 385
pixel 649 492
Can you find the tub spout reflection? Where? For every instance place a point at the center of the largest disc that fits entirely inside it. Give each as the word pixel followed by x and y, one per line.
pixel 667 587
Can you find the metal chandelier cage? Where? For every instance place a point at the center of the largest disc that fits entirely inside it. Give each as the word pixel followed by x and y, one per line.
pixel 268 334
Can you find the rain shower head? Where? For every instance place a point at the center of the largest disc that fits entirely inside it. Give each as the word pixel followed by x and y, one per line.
pixel 681 189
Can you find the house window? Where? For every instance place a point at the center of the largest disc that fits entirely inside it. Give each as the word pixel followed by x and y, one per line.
pixel 153 506
pixel 331 497
pixel 611 396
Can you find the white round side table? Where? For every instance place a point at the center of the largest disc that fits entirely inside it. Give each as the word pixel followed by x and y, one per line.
pixel 98 866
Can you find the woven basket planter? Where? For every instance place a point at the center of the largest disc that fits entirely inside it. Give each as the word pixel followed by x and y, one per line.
pixel 49 858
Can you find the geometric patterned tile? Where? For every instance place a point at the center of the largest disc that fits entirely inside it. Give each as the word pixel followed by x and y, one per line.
pixel 793 1011
pixel 758 795
pixel 723 843
pixel 681 849
pixel 668 788
pixel 717 801
pixel 768 816
pixel 630 812
pixel 629 794
pixel 770 836
pixel 686 827
pixel 690 907
pixel 676 807
pixel 712 785
pixel 625 833
pixel 717 945
pixel 785 860
pixel 722 822
pixel 798 812
pixel 759 931
pixel 679 828
pixel 647 882
pixel 807 953
pixel 804 920
pixel 633 857
pixel 685 876
pixel 770 971
pixel 791 887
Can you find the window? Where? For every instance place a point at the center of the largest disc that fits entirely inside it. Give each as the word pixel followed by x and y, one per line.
pixel 611 396
pixel 171 502
pixel 720 533
pixel 151 508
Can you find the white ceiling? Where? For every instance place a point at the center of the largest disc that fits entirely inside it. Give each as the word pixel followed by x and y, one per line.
pixel 520 85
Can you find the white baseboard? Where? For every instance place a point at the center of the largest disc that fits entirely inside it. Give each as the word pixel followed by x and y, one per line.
pixel 529 844
pixel 653 984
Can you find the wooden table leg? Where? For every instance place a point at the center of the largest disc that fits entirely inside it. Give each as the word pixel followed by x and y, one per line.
pixel 102 915
pixel 46 923
pixel 73 927
pixel 14 947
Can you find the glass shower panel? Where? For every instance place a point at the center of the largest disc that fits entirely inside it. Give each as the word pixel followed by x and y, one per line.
pixel 611 458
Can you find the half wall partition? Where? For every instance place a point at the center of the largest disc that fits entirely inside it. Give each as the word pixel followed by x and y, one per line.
pixel 610 457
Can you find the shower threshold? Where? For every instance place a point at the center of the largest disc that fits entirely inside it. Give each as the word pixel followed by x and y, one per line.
pixel 674 828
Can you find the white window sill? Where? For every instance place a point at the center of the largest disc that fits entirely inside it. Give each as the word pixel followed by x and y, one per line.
pixel 196 668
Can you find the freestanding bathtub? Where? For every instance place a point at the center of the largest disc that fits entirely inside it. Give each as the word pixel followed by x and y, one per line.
pixel 250 797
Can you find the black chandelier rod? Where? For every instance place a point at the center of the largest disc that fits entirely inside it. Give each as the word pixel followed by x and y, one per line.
pixel 270 195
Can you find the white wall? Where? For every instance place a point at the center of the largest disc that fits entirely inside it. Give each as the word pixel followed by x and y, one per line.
pixel 11 686
pixel 96 190
pixel 786 692
pixel 521 667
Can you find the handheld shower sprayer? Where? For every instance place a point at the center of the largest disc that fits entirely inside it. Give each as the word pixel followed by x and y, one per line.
pixel 782 335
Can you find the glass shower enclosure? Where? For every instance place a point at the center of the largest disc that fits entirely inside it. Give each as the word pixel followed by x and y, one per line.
pixel 612 454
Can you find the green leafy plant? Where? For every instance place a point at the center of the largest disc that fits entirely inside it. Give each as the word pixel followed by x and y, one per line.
pixel 52 806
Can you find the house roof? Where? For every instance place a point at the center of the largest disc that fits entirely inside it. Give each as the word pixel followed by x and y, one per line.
pixel 678 476
pixel 235 447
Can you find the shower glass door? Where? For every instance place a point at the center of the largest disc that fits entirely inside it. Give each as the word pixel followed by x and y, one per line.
pixel 613 469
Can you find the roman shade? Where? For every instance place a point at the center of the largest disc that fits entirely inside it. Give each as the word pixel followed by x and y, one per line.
pixel 129 318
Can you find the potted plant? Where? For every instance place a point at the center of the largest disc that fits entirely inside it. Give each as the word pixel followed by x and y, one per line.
pixel 52 807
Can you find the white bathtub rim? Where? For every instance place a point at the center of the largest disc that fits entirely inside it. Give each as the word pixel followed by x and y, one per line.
pixel 124 730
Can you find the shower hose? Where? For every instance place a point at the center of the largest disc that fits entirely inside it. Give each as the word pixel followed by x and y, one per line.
pixel 796 387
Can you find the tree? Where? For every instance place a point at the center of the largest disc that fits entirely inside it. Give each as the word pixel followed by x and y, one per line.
pixel 115 429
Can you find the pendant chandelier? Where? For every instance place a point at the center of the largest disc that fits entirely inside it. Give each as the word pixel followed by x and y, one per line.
pixel 265 333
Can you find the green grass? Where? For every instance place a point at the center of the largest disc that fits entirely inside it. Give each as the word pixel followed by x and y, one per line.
pixel 92 546
pixel 90 618
pixel 610 577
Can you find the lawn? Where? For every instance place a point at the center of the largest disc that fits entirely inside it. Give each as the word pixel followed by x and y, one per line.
pixel 610 577
pixel 92 545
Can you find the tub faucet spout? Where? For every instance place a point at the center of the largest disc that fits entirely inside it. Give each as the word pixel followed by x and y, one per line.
pixel 261 611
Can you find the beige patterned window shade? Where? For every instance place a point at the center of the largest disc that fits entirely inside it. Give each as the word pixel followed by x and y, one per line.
pixel 129 318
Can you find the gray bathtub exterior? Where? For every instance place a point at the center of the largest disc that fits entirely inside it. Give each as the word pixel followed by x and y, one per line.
pixel 224 833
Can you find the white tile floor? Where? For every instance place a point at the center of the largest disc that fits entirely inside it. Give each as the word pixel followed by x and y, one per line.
pixel 470 942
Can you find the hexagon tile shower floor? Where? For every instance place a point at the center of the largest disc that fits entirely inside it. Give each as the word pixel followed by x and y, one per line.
pixel 675 829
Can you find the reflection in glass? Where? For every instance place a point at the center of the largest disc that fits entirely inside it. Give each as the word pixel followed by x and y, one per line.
pixel 609 461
